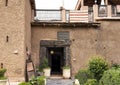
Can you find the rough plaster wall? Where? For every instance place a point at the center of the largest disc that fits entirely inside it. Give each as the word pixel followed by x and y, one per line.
pixel 110 42
pixel 28 19
pixel 86 42
pixel 12 24
pixel 82 47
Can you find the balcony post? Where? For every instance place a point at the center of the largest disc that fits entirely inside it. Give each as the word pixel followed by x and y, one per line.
pixel 82 3
pixel 106 2
pixel 109 13
pixel 63 11
pixel 95 11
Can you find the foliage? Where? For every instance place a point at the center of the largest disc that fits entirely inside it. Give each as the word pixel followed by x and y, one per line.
pixel 44 64
pixel 41 80
pixel 91 82
pixel 35 81
pixel 97 66
pixel 24 83
pixel 2 73
pixel 66 67
pixel 110 77
pixel 83 75
pixel 115 66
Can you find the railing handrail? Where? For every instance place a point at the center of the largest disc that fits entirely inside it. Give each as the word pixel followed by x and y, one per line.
pixel 48 10
pixel 102 10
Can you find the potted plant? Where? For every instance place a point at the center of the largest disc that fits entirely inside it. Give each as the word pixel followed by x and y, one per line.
pixel 66 72
pixel 46 67
pixel 3 79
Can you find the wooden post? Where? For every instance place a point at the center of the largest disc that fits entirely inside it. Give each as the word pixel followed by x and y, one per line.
pixel 95 11
pixel 63 14
pixel 109 13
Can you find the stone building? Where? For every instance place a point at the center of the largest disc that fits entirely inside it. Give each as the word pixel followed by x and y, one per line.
pixel 64 37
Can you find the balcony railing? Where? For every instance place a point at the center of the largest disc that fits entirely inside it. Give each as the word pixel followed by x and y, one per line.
pixel 88 15
pixel 48 15
pixel 115 11
pixel 62 16
pixel 102 11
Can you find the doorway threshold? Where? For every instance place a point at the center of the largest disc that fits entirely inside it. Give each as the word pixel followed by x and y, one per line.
pixel 56 76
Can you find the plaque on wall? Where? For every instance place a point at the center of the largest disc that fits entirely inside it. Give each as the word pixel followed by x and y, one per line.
pixel 63 35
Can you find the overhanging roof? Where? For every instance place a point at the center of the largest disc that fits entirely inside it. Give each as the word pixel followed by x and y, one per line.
pixel 114 2
pixel 92 2
pixel 32 4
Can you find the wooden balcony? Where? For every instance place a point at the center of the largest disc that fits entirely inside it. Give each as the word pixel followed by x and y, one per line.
pixel 106 12
pixel 62 15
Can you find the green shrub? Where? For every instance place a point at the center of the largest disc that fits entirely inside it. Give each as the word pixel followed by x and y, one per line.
pixel 97 65
pixel 91 82
pixel 33 81
pixel 110 77
pixel 44 64
pixel 83 75
pixel 115 66
pixel 66 67
pixel 41 80
pixel 24 83
pixel 2 72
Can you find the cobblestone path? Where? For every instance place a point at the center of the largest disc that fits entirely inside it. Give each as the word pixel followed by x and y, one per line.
pixel 59 82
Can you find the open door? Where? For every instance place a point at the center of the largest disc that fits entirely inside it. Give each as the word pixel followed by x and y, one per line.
pixel 56 59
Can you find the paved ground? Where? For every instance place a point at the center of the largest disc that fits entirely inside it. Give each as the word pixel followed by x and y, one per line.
pixel 50 82
pixel 59 82
pixel 12 83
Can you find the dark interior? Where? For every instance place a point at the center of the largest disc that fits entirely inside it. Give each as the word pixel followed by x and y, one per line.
pixel 56 58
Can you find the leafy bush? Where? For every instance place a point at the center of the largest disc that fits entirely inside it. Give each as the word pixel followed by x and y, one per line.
pixel 66 67
pixel 2 73
pixel 44 64
pixel 24 83
pixel 83 75
pixel 115 66
pixel 110 77
pixel 35 81
pixel 97 66
pixel 91 82
pixel 41 80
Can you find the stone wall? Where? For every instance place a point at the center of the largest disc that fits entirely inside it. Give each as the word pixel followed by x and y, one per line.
pixel 85 42
pixel 109 45
pixel 13 37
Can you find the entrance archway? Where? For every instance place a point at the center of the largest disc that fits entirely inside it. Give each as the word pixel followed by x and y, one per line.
pixel 57 52
pixel 56 58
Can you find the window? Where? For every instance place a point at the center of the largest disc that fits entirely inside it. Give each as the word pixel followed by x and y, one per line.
pixel 63 35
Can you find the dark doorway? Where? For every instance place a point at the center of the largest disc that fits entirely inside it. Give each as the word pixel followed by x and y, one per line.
pixel 56 59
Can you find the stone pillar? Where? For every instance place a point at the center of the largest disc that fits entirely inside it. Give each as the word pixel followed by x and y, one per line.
pixel 67 56
pixel 106 2
pixel 109 13
pixel 82 3
pixel 42 53
pixel 33 15
pixel 63 14
pixel 95 11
